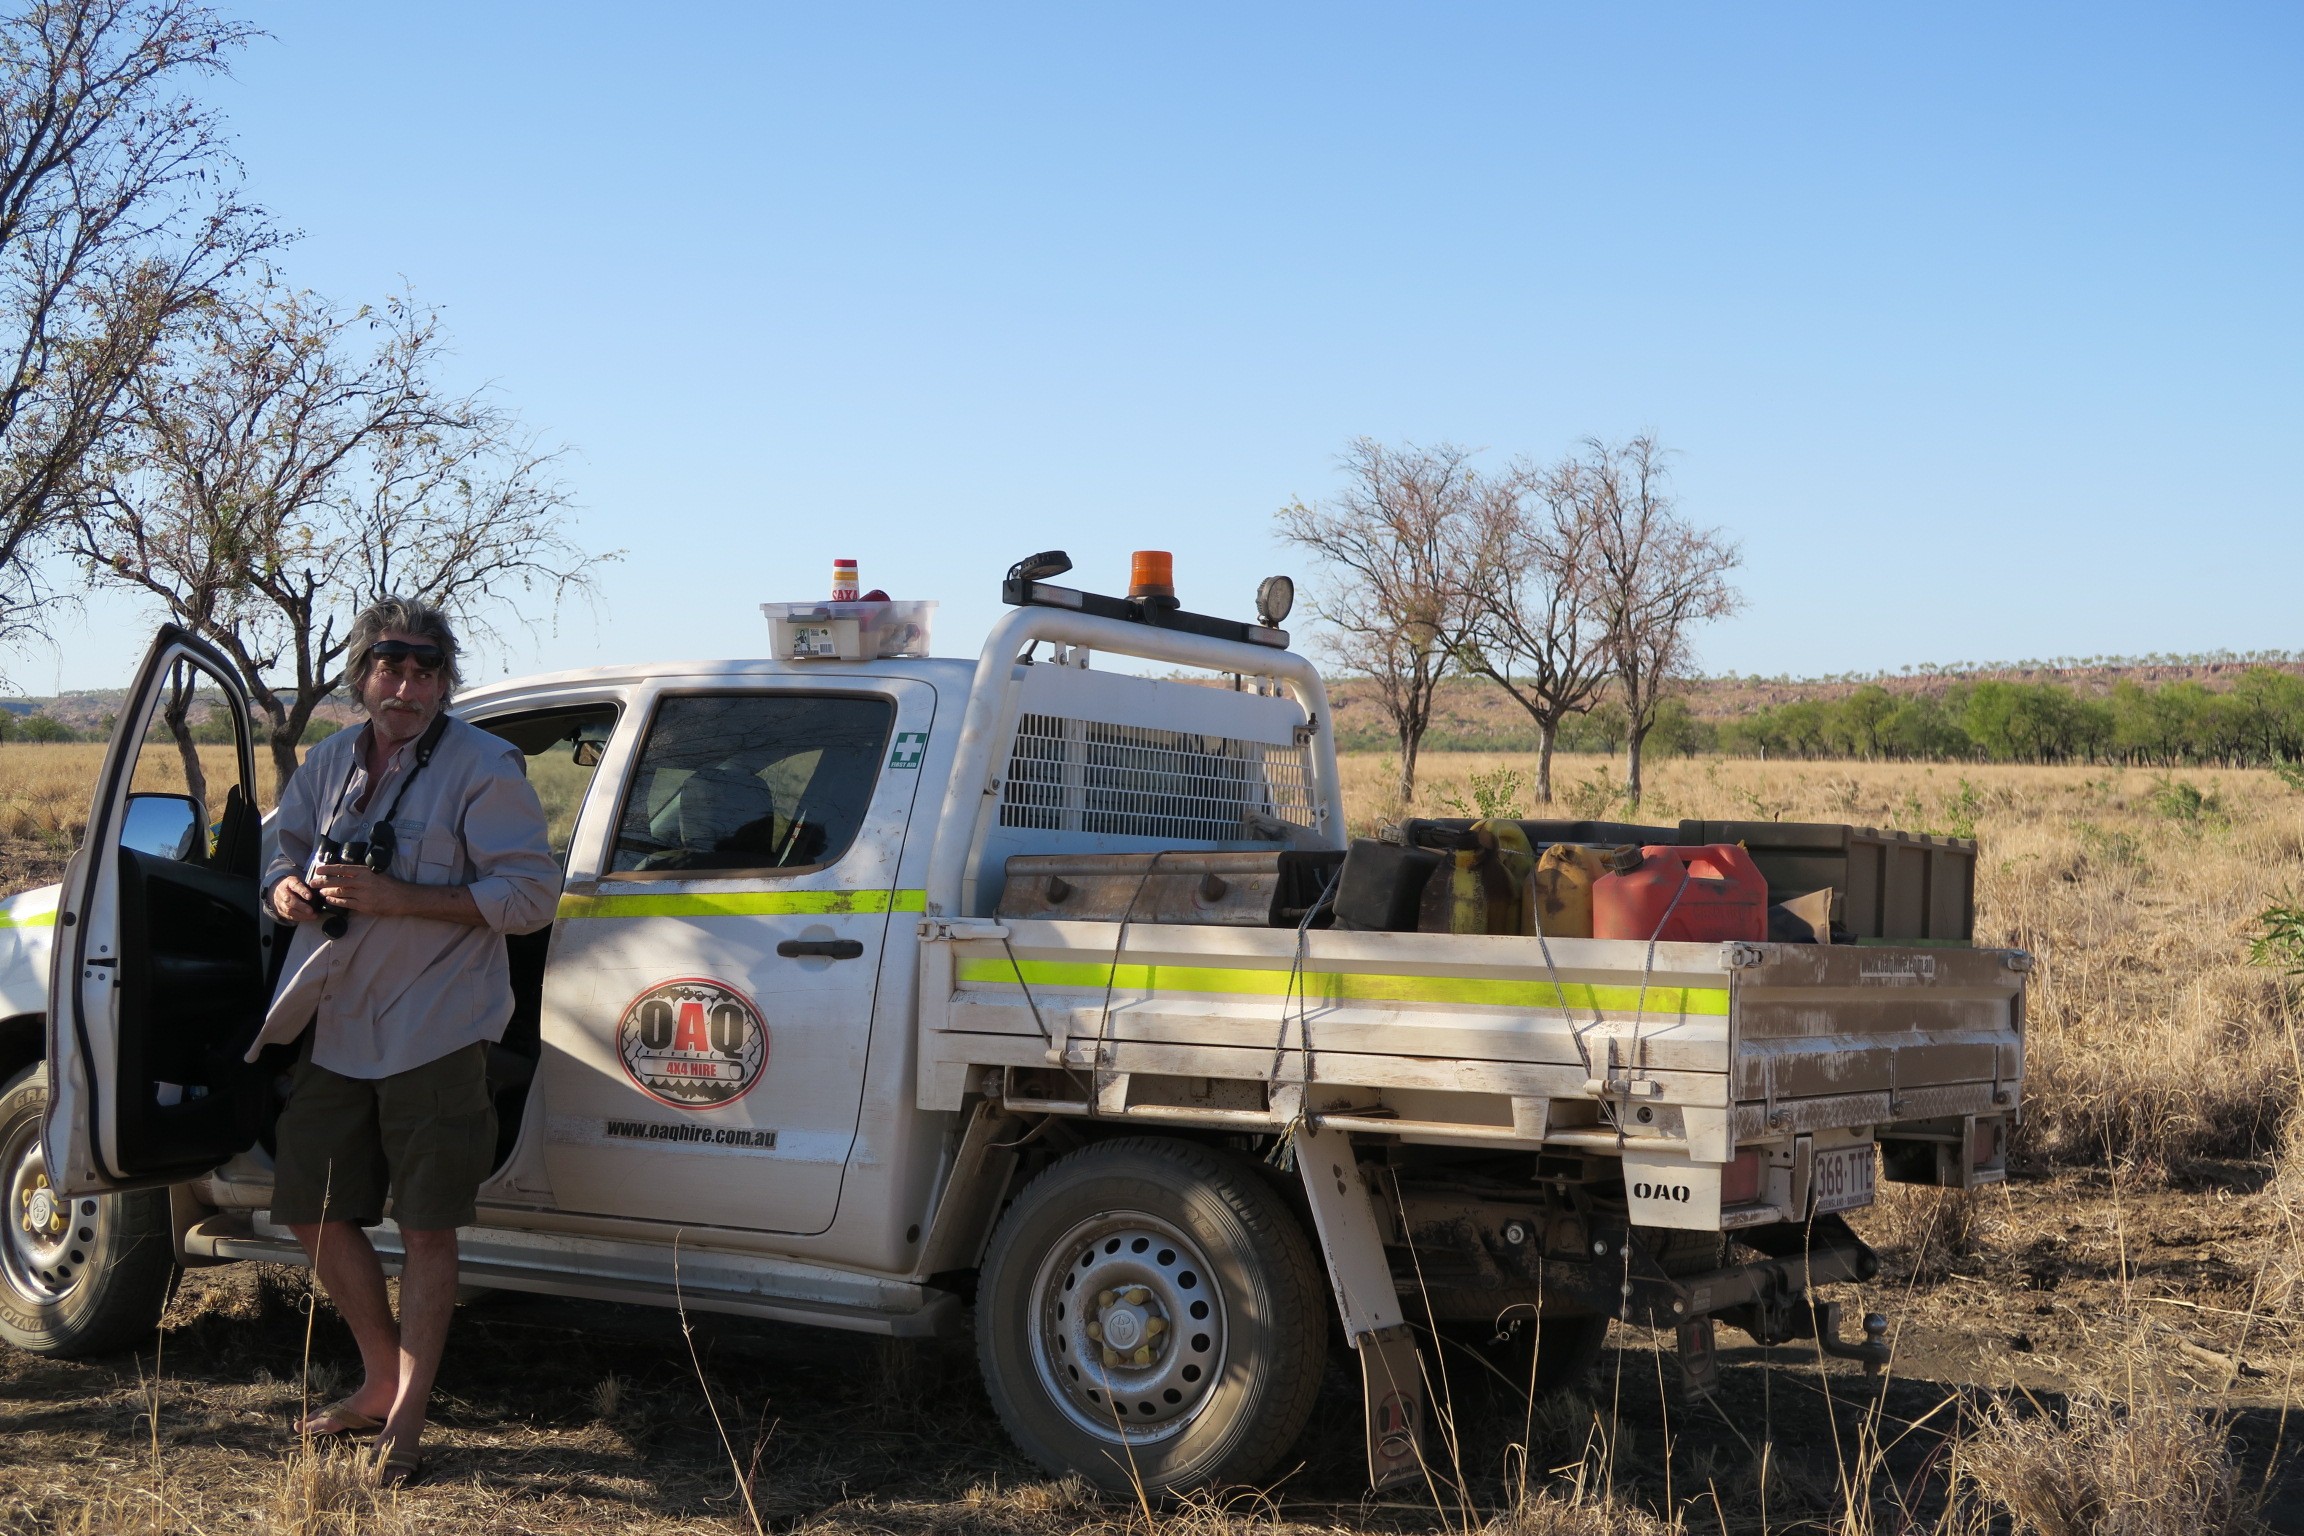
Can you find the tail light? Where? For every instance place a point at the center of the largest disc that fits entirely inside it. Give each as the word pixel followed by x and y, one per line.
pixel 1740 1180
pixel 1988 1143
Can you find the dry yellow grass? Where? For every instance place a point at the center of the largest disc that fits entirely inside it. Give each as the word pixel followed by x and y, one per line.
pixel 45 786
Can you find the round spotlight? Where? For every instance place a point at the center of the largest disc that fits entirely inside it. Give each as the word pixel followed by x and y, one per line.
pixel 1275 596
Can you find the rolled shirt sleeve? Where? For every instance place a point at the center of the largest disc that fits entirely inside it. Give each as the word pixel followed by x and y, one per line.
pixel 294 826
pixel 516 879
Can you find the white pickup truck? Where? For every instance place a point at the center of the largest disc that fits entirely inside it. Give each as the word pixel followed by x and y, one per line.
pixel 781 1053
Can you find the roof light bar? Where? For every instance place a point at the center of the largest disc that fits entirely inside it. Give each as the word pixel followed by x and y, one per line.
pixel 1026 588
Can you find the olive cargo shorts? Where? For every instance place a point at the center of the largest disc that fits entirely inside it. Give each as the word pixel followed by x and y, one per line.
pixel 428 1132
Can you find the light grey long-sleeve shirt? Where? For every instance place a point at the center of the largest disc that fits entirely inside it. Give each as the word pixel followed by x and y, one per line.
pixel 396 992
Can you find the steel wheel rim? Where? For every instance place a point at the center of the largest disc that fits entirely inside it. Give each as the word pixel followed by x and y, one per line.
pixel 50 1240
pixel 1128 1327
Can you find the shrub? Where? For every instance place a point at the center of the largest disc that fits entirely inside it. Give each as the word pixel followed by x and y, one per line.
pixel 41 728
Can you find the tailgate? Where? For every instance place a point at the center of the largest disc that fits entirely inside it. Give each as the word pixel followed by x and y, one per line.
pixel 1859 1035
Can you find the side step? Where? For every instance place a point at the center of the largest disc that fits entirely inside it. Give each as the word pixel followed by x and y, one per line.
pixel 596 1269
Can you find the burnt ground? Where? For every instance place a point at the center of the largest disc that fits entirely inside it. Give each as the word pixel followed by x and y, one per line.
pixel 557 1415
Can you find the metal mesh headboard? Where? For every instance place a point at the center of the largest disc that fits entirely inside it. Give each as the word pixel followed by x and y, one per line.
pixel 1140 781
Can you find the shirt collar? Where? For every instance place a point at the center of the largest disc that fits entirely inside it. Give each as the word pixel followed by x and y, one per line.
pixel 396 760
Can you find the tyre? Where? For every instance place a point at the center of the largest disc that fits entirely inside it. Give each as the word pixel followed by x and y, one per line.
pixel 77 1277
pixel 1151 1315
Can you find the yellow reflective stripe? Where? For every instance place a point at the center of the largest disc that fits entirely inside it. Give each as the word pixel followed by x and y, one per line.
pixel 1353 986
pixel 744 904
pixel 45 919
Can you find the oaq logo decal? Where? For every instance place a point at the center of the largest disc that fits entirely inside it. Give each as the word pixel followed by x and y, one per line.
pixel 693 1043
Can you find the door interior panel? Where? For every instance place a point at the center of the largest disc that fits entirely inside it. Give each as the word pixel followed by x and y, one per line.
pixel 191 995
pixel 512 1060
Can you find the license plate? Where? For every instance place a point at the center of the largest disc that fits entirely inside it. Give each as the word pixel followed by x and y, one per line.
pixel 1843 1178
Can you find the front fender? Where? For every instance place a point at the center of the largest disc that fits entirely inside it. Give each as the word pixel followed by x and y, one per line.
pixel 27 940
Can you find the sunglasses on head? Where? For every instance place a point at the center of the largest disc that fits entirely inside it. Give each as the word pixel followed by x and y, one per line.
pixel 430 657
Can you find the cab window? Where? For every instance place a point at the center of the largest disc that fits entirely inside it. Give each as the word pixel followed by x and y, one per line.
pixel 562 748
pixel 186 761
pixel 752 782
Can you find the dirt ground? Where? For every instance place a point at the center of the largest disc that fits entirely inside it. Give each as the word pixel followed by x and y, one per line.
pixel 569 1416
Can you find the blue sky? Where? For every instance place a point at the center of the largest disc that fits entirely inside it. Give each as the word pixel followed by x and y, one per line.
pixel 1979 326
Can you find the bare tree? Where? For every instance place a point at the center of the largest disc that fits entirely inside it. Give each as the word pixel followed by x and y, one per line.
pixel 285 465
pixel 1658 577
pixel 1536 624
pixel 1394 593
pixel 118 212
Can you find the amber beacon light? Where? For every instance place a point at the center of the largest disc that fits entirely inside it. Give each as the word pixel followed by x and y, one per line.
pixel 1152 577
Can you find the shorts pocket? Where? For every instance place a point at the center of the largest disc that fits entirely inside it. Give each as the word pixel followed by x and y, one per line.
pixel 456 1084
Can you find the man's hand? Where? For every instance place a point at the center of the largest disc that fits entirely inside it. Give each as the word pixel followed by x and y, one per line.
pixel 357 888
pixel 292 901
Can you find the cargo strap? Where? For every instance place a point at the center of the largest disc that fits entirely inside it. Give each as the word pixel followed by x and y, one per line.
pixel 1283 1153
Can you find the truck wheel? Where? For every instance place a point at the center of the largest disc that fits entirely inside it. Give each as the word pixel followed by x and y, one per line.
pixel 81 1276
pixel 1151 1315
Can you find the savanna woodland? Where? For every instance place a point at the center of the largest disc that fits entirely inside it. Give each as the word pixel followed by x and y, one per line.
pixel 2107 1343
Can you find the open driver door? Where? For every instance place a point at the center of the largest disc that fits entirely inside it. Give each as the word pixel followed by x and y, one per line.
pixel 159 980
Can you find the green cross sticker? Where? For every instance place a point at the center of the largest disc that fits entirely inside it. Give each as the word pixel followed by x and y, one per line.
pixel 911 746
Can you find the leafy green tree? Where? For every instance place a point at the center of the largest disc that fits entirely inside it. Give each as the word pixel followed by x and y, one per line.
pixel 1859 722
pixel 2268 714
pixel 1920 727
pixel 2020 722
pixel 2162 726
pixel 41 728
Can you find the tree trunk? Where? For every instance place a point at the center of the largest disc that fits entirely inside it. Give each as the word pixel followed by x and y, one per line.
pixel 176 712
pixel 283 742
pixel 1635 737
pixel 1547 733
pixel 1409 742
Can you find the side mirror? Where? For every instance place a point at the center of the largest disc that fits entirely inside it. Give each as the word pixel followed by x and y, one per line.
pixel 165 826
pixel 588 752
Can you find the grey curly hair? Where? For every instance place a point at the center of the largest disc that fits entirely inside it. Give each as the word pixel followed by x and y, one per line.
pixel 403 615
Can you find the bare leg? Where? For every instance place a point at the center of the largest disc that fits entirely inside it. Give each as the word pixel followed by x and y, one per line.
pixel 348 1267
pixel 427 1302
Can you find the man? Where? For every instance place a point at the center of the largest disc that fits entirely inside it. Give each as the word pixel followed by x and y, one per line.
pixel 396 982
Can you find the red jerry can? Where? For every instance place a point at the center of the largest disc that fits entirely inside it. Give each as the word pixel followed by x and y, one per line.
pixel 1692 895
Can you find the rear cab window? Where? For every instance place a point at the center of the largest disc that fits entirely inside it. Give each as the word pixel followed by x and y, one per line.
pixel 562 748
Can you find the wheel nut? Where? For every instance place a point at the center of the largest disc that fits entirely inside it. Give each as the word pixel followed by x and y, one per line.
pixel 1111 1356
pixel 1142 1356
pixel 1096 1332
pixel 1106 1298
pixel 1136 1295
pixel 1155 1326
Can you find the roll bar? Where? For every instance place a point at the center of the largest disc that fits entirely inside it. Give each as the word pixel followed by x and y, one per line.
pixel 973 790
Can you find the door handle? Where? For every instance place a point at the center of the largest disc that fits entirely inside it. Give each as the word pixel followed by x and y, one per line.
pixel 830 949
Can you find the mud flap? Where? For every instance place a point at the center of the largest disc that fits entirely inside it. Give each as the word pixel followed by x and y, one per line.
pixel 1392 1386
pixel 1351 1243
pixel 1699 1358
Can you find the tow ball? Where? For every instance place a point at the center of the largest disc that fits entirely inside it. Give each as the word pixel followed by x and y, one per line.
pixel 1873 1352
pixel 1785 1321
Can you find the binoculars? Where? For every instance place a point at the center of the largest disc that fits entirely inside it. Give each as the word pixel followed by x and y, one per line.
pixel 376 853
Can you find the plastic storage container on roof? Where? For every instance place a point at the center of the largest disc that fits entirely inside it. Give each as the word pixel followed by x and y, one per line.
pixel 859 631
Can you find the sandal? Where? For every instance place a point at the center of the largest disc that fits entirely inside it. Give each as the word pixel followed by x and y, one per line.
pixel 401 1469
pixel 340 1418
